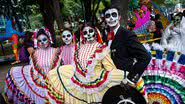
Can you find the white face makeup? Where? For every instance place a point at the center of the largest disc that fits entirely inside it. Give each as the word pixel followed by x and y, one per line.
pixel 89 34
pixel 112 17
pixel 67 37
pixel 177 20
pixel 43 41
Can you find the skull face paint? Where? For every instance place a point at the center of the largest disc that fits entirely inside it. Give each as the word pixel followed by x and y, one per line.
pixel 177 20
pixel 43 41
pixel 67 37
pixel 89 34
pixel 112 17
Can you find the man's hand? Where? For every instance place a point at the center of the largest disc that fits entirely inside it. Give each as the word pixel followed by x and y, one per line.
pixel 127 82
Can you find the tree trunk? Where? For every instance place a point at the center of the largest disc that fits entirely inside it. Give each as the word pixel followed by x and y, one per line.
pixel 88 13
pixel 47 13
pixel 13 14
pixel 94 19
pixel 122 5
pixel 58 16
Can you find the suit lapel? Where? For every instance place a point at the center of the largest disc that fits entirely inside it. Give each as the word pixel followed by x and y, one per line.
pixel 116 39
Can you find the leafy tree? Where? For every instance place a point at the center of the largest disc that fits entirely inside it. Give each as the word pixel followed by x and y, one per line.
pixel 168 2
pixel 36 21
pixel 159 2
pixel 12 10
pixel 90 9
pixel 172 2
pixel 57 13
pixel 71 8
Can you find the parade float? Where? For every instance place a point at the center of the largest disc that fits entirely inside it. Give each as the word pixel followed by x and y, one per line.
pixel 11 34
pixel 165 76
pixel 140 13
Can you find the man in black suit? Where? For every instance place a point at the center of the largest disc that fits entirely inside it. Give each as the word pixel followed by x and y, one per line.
pixel 127 52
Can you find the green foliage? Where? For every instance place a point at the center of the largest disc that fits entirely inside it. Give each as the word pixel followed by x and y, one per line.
pixel 71 8
pixel 133 4
pixel 103 4
pixel 20 8
pixel 168 2
pixel 171 2
pixel 106 3
pixel 159 2
pixel 101 7
pixel 34 9
pixel 36 21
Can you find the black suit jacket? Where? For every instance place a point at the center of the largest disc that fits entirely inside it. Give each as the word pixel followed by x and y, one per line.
pixel 125 48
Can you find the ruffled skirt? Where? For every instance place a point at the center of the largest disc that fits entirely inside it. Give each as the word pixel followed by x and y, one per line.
pixel 24 85
pixel 66 86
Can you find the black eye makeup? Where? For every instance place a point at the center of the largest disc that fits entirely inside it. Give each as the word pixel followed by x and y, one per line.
pixel 85 32
pixel 44 39
pixel 39 40
pixel 107 15
pixel 68 35
pixel 90 30
pixel 113 14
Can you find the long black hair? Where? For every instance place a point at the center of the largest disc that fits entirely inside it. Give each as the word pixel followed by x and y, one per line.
pixel 42 31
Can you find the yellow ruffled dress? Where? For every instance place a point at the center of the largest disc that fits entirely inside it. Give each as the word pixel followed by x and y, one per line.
pixel 78 85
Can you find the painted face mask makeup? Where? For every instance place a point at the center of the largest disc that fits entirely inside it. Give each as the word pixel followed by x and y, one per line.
pixel 177 20
pixel 43 41
pixel 89 34
pixel 111 17
pixel 67 37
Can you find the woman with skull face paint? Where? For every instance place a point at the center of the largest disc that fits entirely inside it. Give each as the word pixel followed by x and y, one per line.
pixel 68 49
pixel 26 84
pixel 173 36
pixel 89 78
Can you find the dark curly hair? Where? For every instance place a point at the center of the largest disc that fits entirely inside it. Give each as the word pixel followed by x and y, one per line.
pixel 42 31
